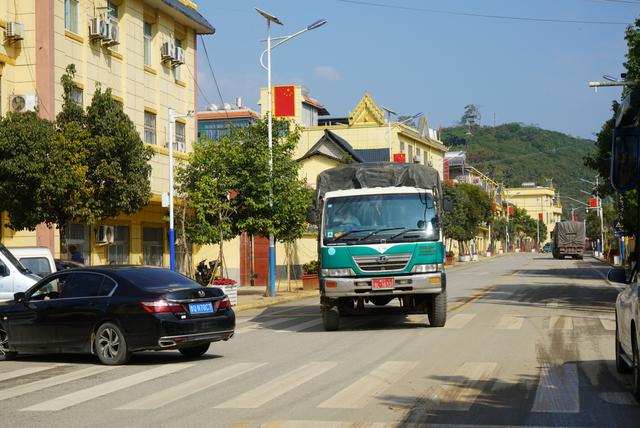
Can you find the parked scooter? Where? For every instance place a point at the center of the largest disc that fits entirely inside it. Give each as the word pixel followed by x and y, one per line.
pixel 206 274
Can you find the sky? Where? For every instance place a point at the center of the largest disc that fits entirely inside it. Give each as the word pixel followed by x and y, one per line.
pixel 411 57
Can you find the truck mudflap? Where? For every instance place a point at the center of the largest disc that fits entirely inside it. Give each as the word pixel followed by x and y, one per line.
pixel 431 283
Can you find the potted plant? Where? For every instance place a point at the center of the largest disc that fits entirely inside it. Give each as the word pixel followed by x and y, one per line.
pixel 449 258
pixel 310 280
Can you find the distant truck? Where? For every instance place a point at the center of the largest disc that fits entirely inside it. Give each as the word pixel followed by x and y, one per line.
pixel 568 239
pixel 380 239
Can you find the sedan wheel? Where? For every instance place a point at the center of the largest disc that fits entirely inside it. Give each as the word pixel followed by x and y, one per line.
pixel 110 345
pixel 5 354
pixel 636 368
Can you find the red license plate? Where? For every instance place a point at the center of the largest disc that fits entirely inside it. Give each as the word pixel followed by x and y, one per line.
pixel 382 284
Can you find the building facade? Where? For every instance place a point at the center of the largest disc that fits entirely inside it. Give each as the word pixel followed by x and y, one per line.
pixel 537 200
pixel 214 122
pixel 146 52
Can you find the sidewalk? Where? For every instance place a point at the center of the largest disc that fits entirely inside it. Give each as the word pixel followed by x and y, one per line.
pixel 255 297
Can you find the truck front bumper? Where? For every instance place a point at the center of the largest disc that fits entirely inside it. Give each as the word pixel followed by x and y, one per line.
pixel 430 283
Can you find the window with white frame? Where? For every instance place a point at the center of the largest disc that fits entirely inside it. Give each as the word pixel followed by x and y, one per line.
pixel 181 144
pixel 118 252
pixel 401 147
pixel 410 153
pixel 418 154
pixel 148 28
pixel 149 128
pixel 71 8
pixel 112 8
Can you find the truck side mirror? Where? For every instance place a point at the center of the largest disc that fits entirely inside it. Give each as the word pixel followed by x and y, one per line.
pixel 618 275
pixel 447 204
pixel 625 159
pixel 312 215
pixel 3 270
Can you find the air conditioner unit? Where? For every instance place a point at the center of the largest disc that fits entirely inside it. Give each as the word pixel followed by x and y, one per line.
pixel 105 234
pixel 23 103
pixel 95 28
pixel 168 51
pixel 105 31
pixel 114 35
pixel 179 57
pixel 14 31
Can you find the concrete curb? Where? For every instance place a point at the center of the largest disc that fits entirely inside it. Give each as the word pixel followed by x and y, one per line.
pixel 277 300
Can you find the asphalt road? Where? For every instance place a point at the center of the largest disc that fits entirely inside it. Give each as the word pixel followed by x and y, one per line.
pixel 529 342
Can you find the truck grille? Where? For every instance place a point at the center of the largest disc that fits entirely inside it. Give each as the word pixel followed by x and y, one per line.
pixel 382 263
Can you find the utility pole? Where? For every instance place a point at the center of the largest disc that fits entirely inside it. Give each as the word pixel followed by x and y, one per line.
pixel 601 219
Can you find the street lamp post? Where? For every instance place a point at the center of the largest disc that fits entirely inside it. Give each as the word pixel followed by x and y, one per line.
pixel 598 210
pixel 171 118
pixel 271 18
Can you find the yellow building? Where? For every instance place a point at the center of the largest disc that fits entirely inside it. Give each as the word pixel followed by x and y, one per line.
pixel 146 52
pixel 535 200
pixel 364 136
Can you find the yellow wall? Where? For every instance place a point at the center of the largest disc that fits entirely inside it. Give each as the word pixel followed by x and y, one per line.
pixel 535 200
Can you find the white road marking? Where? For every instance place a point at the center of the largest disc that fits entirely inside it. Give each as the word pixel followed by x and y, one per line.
pixel 620 398
pixel 510 322
pixel 185 389
pixel 262 325
pixel 608 322
pixel 553 304
pixel 299 327
pixel 52 381
pixel 26 371
pixel 461 394
pixel 87 394
pixel 459 321
pixel 278 386
pixel 360 393
pixel 558 322
pixel 558 390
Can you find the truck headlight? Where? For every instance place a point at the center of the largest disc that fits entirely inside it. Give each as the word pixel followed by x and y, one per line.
pixel 337 272
pixel 430 268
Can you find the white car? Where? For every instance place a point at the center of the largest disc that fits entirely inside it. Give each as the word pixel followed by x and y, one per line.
pixel 627 337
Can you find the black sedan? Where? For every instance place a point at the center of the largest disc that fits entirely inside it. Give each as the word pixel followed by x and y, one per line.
pixel 112 311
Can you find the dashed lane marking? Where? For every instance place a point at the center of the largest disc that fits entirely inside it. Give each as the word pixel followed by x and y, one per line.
pixel 464 388
pixel 459 321
pixel 26 371
pixel 360 393
pixel 510 322
pixel 262 325
pixel 608 322
pixel 558 390
pixel 277 387
pixel 299 327
pixel 88 394
pixel 558 322
pixel 185 389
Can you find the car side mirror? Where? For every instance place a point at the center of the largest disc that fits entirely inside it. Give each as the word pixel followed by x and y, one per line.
pixel 19 297
pixel 3 270
pixel 618 275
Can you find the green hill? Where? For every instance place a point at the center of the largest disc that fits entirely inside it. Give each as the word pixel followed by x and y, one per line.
pixel 515 153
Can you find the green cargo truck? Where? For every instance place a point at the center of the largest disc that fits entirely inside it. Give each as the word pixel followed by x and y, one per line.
pixel 380 239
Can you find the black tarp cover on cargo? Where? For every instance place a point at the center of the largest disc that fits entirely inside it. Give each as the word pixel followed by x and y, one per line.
pixel 378 174
pixel 569 234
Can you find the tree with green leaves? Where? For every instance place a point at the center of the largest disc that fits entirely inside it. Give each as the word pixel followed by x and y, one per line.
pixel 471 116
pixel 471 209
pixel 89 167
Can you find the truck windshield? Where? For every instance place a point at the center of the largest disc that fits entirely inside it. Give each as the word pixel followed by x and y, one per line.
pixel 11 258
pixel 372 218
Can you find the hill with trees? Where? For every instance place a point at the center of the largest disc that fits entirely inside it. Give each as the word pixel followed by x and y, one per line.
pixel 515 153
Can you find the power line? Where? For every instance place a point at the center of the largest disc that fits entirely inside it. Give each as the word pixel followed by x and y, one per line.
pixel 197 86
pixel 213 73
pixel 479 15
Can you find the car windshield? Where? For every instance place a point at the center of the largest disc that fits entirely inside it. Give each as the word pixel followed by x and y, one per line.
pixel 150 279
pixel 15 262
pixel 371 218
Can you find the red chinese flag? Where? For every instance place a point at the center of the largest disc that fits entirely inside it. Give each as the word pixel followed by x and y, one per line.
pixel 593 203
pixel 540 216
pixel 284 101
pixel 512 210
pixel 399 157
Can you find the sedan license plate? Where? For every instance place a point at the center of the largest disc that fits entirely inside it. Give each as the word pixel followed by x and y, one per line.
pixel 382 284
pixel 201 308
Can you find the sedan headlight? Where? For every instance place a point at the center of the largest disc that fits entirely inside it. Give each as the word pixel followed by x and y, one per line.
pixel 430 268
pixel 337 272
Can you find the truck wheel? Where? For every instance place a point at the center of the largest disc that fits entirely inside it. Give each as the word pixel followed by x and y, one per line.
pixel 331 318
pixel 437 310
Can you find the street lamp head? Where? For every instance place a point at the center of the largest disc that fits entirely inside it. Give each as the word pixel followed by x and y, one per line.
pixel 268 16
pixel 318 23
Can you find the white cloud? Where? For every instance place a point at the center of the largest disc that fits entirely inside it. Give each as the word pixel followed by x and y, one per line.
pixel 327 72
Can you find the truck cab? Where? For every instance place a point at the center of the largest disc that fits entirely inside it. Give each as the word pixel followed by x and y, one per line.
pixel 14 277
pixel 377 244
